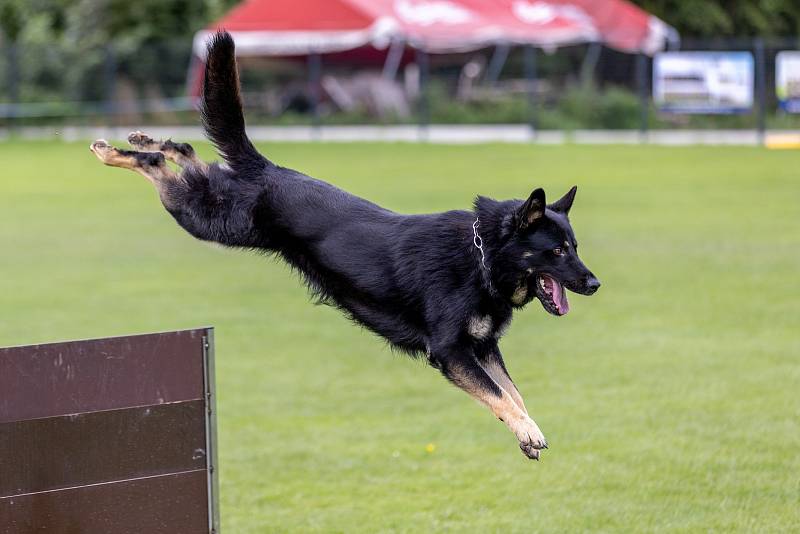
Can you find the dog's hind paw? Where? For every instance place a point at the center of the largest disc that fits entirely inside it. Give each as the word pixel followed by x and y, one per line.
pixel 101 149
pixel 100 143
pixel 140 140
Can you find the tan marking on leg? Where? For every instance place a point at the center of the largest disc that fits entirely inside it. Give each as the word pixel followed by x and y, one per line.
pixel 159 174
pixel 110 156
pixel 498 374
pixel 144 143
pixel 530 437
pixel 115 158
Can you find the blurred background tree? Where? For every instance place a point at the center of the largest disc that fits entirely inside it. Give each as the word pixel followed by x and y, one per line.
pixel 72 47
pixel 728 18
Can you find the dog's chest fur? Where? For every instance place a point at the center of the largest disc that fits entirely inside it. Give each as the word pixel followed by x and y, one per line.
pixel 488 323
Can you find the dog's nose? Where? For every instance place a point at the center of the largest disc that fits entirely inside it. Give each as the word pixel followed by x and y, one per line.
pixel 592 285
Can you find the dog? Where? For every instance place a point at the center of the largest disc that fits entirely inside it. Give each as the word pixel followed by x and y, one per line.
pixel 442 286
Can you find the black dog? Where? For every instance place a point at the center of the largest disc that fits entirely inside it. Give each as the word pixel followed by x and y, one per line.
pixel 442 285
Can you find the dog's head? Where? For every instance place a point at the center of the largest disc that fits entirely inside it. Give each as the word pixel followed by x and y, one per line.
pixel 540 255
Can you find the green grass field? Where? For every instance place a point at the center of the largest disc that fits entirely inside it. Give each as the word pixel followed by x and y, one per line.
pixel 671 399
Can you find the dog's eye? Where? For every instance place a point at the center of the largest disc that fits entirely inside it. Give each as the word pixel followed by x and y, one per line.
pixel 558 251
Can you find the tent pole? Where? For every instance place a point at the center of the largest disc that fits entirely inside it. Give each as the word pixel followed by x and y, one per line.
pixel 529 58
pixel 314 76
pixel 393 58
pixel 423 63
pixel 497 62
pixel 589 64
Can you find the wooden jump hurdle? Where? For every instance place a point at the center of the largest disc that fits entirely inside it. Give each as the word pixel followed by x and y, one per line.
pixel 114 435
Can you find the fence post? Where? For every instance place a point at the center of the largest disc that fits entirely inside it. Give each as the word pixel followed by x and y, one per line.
pixel 424 105
pixel 109 81
pixel 644 100
pixel 761 89
pixel 529 59
pixel 12 72
pixel 314 80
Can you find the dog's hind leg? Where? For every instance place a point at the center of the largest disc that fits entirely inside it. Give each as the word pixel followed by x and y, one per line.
pixel 151 165
pixel 202 202
pixel 182 154
pixel 463 370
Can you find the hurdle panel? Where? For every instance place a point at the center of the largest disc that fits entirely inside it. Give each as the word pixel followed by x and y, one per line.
pixel 109 435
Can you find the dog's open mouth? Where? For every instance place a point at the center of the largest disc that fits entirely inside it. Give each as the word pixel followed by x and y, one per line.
pixel 552 294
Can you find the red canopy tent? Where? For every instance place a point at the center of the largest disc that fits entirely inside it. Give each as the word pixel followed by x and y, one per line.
pixel 386 30
pixel 301 27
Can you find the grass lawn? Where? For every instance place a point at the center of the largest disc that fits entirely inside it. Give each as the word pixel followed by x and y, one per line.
pixel 671 399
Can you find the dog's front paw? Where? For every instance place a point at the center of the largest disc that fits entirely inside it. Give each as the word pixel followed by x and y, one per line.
pixel 531 440
pixel 530 450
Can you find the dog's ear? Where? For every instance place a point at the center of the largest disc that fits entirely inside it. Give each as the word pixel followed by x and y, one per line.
pixel 563 204
pixel 531 211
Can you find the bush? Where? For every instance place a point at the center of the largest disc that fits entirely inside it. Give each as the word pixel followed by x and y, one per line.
pixel 614 109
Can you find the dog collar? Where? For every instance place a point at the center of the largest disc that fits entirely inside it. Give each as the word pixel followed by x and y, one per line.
pixel 477 242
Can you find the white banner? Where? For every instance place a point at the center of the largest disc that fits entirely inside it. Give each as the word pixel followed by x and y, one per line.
pixel 703 82
pixel 787 80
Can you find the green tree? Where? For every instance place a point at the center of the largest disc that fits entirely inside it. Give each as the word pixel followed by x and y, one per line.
pixel 64 48
pixel 728 18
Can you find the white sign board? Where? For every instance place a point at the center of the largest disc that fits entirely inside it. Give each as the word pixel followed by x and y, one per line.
pixel 787 81
pixel 703 82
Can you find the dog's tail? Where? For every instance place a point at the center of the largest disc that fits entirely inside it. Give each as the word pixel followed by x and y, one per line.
pixel 221 105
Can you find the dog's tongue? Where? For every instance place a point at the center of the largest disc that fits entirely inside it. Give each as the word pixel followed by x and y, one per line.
pixel 560 299
pixel 559 295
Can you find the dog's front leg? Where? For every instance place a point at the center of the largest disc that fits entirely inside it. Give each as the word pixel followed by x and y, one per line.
pixel 462 368
pixel 492 362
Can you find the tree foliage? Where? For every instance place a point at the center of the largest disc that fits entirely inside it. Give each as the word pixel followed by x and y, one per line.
pixel 728 18
pixel 65 48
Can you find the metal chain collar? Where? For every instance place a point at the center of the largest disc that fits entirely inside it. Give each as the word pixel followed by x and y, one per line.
pixel 478 242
